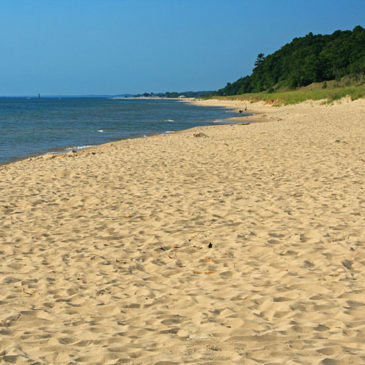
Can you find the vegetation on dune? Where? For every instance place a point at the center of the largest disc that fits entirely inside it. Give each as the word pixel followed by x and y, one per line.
pixel 300 95
pixel 307 60
pixel 313 67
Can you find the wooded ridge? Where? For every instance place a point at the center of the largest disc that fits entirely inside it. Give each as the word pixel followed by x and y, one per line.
pixel 313 58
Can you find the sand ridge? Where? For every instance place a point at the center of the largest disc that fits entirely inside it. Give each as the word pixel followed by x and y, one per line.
pixel 245 246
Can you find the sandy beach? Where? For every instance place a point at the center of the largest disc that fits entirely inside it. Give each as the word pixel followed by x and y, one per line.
pixel 231 244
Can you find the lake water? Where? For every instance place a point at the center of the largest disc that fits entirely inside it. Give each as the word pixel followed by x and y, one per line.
pixel 31 126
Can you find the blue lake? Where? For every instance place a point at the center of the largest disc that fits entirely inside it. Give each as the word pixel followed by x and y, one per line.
pixel 31 126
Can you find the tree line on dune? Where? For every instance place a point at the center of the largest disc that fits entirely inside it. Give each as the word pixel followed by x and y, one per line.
pixel 305 60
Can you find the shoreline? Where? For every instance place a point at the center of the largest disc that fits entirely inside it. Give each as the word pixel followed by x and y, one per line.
pixel 218 244
pixel 69 150
pixel 145 98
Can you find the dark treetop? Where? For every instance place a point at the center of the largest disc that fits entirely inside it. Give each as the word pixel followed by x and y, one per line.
pixel 313 58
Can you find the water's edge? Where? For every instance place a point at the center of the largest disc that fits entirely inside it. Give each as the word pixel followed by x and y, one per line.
pixel 68 149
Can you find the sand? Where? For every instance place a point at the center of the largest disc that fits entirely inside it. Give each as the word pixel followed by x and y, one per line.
pixel 234 244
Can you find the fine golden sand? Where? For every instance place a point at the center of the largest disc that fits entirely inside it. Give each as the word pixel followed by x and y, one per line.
pixel 235 244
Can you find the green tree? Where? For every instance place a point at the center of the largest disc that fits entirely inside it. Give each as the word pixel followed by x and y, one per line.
pixel 313 58
pixel 259 60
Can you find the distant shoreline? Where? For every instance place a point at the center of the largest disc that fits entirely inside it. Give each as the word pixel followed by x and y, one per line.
pixel 147 98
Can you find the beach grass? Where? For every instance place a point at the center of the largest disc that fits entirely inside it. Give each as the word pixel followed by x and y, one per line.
pixel 297 96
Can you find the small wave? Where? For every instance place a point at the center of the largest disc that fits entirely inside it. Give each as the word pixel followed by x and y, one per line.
pixel 100 130
pixel 82 147
pixel 170 120
pixel 68 149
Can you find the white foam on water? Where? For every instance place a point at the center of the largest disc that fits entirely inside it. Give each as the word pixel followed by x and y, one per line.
pixel 78 148
pixel 82 147
pixel 100 130
pixel 69 149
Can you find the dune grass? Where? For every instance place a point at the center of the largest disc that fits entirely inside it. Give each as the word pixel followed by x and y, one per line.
pixel 297 96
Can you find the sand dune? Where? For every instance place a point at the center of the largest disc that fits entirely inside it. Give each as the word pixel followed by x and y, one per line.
pixel 243 246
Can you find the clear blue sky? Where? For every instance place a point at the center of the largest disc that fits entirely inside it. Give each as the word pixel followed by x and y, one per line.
pixel 78 47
